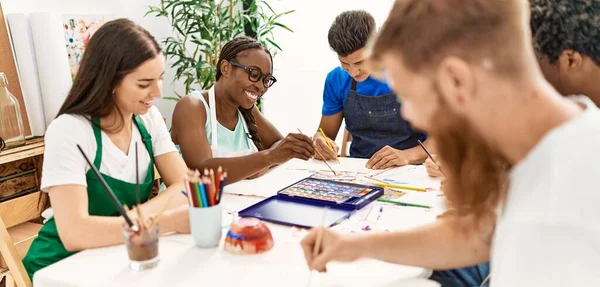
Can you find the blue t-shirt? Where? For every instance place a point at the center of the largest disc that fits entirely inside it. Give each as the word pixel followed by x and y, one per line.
pixel 337 87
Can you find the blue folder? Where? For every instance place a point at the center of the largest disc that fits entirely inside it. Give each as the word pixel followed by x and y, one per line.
pixel 301 204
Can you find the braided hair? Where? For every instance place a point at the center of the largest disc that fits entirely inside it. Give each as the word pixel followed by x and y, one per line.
pixel 230 52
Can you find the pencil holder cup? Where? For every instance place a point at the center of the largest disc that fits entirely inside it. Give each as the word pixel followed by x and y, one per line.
pixel 206 225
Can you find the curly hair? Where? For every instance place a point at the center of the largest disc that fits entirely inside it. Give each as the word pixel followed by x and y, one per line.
pixel 559 25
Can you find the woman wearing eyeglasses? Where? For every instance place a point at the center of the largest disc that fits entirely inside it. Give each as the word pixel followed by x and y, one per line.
pixel 223 127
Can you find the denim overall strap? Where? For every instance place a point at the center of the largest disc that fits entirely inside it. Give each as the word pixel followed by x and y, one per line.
pixel 374 122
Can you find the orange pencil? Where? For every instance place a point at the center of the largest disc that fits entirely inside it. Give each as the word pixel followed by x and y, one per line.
pixel 213 191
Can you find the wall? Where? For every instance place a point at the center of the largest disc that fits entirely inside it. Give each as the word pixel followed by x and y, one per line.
pixel 295 100
pixel 132 9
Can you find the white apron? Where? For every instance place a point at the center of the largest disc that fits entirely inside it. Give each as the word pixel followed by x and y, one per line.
pixel 221 152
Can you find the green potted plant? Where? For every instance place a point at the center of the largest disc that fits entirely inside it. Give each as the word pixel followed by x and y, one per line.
pixel 202 27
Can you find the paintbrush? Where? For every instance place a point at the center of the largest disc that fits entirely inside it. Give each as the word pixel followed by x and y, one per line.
pixel 109 192
pixel 142 222
pixel 317 246
pixel 430 156
pixel 426 151
pixel 137 176
pixel 317 151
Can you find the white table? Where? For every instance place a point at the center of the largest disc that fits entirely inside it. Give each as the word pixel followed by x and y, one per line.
pixel 183 264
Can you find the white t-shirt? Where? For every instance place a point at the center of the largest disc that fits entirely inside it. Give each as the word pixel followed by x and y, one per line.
pixel 548 233
pixel 64 164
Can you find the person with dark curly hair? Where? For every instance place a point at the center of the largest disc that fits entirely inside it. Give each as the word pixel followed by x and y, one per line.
pixel 566 36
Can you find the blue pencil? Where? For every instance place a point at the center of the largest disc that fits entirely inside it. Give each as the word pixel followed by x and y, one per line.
pixel 203 195
pixel 186 195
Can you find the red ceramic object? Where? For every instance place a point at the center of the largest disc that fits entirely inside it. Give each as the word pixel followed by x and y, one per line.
pixel 248 236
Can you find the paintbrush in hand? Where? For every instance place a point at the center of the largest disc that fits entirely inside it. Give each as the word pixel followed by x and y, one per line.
pixel 317 151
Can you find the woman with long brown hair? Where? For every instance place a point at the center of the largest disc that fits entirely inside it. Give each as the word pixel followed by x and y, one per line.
pixel 223 126
pixel 108 112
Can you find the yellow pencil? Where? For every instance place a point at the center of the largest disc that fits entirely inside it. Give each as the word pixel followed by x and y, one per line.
pixel 328 143
pixel 401 187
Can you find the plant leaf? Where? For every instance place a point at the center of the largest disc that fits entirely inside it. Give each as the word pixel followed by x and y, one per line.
pixel 177 98
pixel 268 6
pixel 274 44
pixel 283 26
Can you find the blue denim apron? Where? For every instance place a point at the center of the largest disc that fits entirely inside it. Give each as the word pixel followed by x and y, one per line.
pixel 374 122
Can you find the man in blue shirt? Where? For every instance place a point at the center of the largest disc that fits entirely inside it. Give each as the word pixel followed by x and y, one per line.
pixel 368 106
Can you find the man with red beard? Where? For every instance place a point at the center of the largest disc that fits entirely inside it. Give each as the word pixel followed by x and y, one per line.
pixel 476 87
pixel 566 39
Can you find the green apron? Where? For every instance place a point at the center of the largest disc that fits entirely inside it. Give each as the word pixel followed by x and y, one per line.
pixel 47 248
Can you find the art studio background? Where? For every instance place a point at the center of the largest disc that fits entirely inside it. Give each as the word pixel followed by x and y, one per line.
pixel 301 66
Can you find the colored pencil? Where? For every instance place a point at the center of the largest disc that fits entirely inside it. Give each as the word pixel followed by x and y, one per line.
pixel 401 186
pixel 202 193
pixel 197 194
pixel 213 190
pixel 222 186
pixel 186 195
pixel 204 190
pixel 328 143
pixel 218 183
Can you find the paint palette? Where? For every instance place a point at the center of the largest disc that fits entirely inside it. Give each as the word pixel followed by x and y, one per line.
pixel 327 190
pixel 301 204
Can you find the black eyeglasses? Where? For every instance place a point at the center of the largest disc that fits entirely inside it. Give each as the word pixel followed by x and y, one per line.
pixel 255 75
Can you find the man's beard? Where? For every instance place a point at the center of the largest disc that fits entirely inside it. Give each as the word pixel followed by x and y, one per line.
pixel 476 175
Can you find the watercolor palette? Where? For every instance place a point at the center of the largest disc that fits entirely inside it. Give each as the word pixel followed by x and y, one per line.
pixel 326 190
pixel 301 204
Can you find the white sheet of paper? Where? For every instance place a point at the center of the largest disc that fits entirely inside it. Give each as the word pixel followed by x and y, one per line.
pixel 382 217
pixel 429 198
pixel 345 164
pixel 268 184
pixel 411 175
